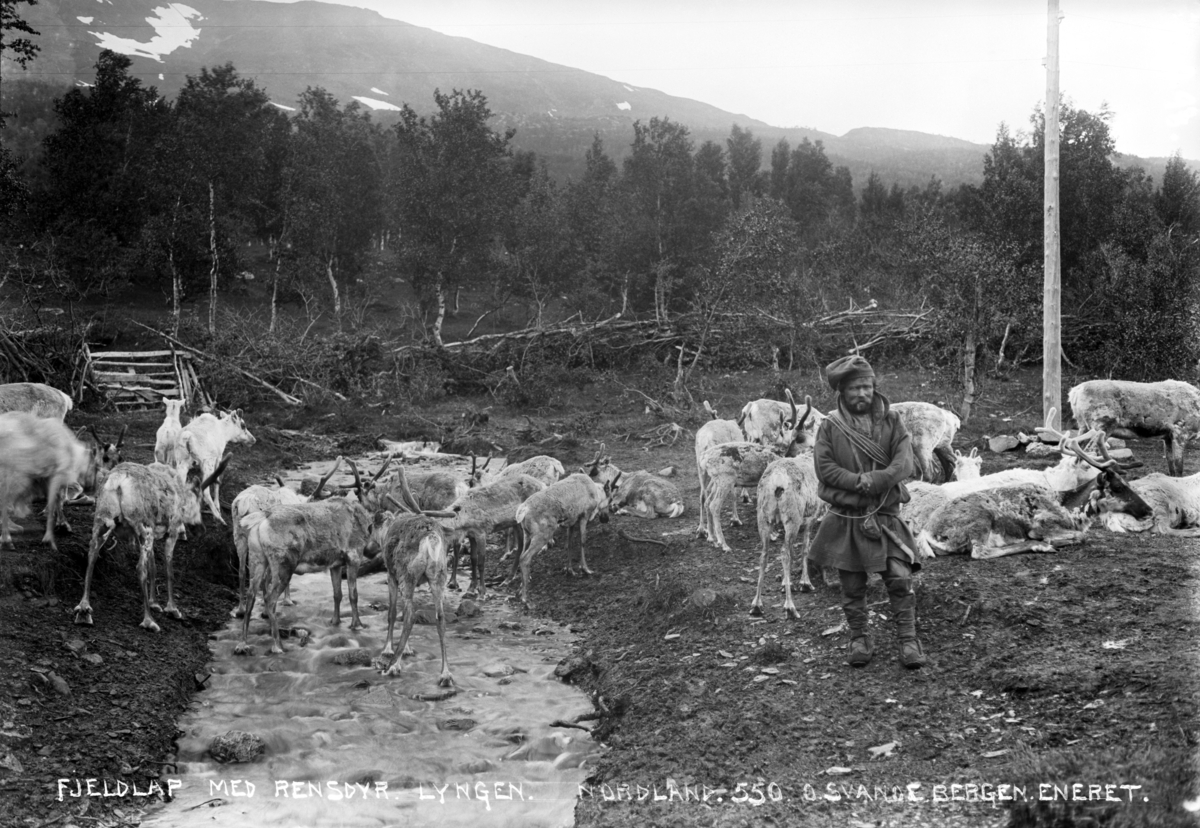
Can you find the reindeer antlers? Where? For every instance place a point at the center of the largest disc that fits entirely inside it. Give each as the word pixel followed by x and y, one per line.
pixel 321 483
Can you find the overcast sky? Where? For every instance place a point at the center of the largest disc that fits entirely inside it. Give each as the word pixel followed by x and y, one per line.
pixel 950 67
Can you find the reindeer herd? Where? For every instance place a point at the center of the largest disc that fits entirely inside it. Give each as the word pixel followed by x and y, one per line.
pixel 417 521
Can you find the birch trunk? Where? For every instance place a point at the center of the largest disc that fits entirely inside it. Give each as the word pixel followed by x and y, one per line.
pixel 176 290
pixel 333 286
pixel 275 292
pixel 968 375
pixel 212 244
pixel 440 317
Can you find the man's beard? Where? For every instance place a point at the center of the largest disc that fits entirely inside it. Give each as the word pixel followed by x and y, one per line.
pixel 859 406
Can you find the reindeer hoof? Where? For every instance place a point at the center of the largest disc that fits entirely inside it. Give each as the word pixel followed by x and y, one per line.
pixel 174 613
pixel 148 624
pixel 756 612
pixel 791 614
pixel 242 648
pixel 806 587
pixel 83 617
pixel 276 650
pixel 445 680
pixel 735 522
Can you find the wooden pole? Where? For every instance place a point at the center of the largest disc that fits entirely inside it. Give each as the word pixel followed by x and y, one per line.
pixel 1052 290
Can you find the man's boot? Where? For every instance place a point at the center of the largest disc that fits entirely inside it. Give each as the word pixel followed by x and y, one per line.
pixel 904 608
pixel 854 604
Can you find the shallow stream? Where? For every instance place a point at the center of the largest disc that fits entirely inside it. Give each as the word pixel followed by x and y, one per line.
pixel 347 746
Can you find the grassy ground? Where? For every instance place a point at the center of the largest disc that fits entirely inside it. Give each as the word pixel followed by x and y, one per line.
pixel 1045 670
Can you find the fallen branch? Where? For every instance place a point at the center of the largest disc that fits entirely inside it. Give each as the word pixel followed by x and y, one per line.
pixel 634 539
pixel 283 395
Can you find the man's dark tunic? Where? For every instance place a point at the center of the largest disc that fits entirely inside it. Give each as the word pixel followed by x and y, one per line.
pixel 841 542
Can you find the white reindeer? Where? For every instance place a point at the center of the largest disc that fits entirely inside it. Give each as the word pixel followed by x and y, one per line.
pixel 1117 408
pixel 787 495
pixel 36 399
pixel 167 436
pixel 36 451
pixel 143 503
pixel 571 502
pixel 932 430
pixel 967 466
pixel 202 442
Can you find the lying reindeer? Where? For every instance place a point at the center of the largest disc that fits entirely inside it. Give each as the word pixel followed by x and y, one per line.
pixel 647 495
pixel 144 503
pixel 415 549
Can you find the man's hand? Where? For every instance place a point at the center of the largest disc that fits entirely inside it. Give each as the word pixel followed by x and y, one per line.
pixel 864 484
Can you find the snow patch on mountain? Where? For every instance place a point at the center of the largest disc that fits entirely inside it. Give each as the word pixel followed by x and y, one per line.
pixel 624 106
pixel 172 28
pixel 375 103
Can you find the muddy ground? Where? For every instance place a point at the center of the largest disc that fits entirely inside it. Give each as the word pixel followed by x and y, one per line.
pixel 1058 675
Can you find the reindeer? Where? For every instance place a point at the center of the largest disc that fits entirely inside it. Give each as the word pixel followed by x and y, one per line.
pixel 571 502
pixel 143 503
pixel 483 510
pixel 37 451
pixel 36 399
pixel 787 494
pixel 262 499
pixel 728 465
pixel 167 436
pixel 773 423
pixel 932 429
pixel 1001 521
pixel 713 432
pixel 542 467
pixel 967 466
pixel 304 537
pixel 202 442
pixel 1116 408
pixel 648 495
pixel 415 549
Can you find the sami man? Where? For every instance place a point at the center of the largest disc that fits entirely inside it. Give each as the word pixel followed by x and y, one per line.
pixel 863 455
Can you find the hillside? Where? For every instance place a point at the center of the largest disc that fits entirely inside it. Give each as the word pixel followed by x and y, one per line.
pixel 384 63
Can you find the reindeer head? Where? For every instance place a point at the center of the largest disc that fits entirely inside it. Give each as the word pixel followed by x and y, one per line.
pixel 609 504
pixel 102 458
pixel 1109 491
pixel 797 431
pixel 368 493
pixel 476 476
pixel 967 466
pixel 235 428
pixel 601 469
pixel 174 408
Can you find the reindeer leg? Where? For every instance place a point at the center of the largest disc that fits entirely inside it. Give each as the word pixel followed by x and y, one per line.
pixel 785 558
pixel 478 551
pixel 335 575
pixel 356 623
pixel 287 599
pixel 536 543
pixel 437 589
pixel 718 494
pixel 764 533
pixel 393 596
pixel 240 543
pixel 51 509
pixel 279 579
pixel 168 554
pixel 582 538
pixel 410 616
pixel 145 536
pixel 83 610
pixel 983 552
pixel 254 584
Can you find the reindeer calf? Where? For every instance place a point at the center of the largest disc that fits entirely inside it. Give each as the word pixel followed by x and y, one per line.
pixel 304 537
pixel 167 435
pixel 483 510
pixel 787 494
pixel 571 502
pixel 143 503
pixel 543 467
